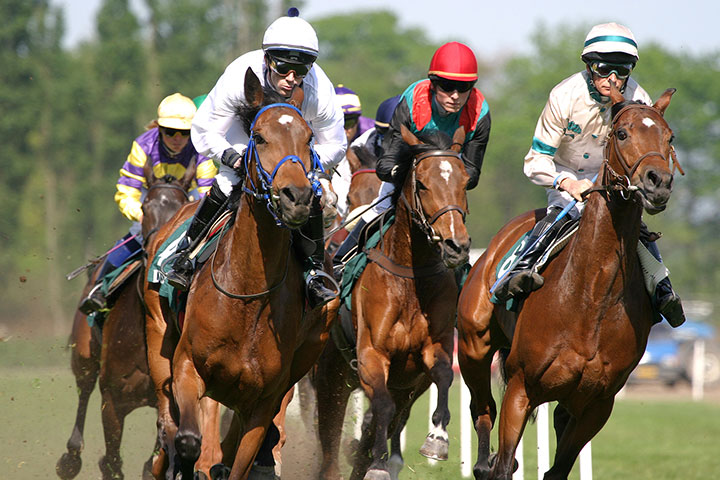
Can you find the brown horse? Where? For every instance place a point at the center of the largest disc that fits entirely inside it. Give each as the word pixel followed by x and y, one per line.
pixel 117 353
pixel 403 310
pixel 247 337
pixel 577 338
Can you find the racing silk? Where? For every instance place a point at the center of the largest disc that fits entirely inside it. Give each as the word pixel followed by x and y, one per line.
pixel 571 132
pixel 132 185
pixel 216 127
pixel 419 112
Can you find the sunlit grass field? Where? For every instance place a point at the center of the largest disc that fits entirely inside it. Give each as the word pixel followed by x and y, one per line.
pixel 644 439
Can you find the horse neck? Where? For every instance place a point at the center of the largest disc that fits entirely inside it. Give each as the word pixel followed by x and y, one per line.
pixel 406 242
pixel 608 236
pixel 254 234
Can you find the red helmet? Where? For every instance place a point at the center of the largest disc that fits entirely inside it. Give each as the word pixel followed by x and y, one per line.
pixel 454 61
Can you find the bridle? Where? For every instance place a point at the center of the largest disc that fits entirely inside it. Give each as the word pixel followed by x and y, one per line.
pixel 417 213
pixel 615 182
pixel 264 191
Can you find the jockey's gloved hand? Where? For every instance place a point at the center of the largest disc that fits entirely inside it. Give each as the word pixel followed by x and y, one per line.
pixel 230 157
pixel 395 173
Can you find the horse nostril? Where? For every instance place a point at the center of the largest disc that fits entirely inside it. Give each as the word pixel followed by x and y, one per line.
pixel 296 195
pixel 654 178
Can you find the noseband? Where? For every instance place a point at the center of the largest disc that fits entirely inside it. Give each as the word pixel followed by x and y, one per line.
pixel 417 213
pixel 264 192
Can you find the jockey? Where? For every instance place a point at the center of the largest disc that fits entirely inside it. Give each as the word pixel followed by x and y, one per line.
pixel 355 123
pixel 371 138
pixel 286 62
pixel 166 144
pixel 568 147
pixel 443 102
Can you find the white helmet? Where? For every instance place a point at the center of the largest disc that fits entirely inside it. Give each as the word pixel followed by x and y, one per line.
pixel 610 42
pixel 291 38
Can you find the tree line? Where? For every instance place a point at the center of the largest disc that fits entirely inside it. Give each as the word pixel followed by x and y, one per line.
pixel 69 116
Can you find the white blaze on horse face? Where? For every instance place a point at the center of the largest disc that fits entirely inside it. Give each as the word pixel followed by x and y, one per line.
pixel 285 119
pixel 648 122
pixel 445 170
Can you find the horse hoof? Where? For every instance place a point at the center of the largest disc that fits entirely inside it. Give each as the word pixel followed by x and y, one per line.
pixel 395 465
pixel 200 476
pixel 262 472
pixel 68 466
pixel 376 474
pixel 219 472
pixel 435 448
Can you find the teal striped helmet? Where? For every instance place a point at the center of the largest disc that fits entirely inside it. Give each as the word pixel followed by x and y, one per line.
pixel 610 42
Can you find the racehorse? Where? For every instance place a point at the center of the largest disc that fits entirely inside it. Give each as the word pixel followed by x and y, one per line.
pixel 247 336
pixel 117 353
pixel 403 310
pixel 575 340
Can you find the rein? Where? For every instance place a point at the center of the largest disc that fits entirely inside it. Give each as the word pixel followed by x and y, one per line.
pixel 264 191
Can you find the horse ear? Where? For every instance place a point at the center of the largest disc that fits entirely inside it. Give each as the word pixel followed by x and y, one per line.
pixel 297 97
pixel 458 139
pixel 615 94
pixel 253 89
pixel 353 159
pixel 408 136
pixel 664 100
pixel 189 175
pixel 148 172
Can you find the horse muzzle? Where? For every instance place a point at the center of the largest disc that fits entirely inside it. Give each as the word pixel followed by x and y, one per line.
pixel 455 252
pixel 655 188
pixel 293 205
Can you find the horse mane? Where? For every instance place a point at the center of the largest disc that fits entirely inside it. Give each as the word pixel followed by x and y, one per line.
pixel 246 113
pixel 432 140
pixel 619 106
pixel 368 160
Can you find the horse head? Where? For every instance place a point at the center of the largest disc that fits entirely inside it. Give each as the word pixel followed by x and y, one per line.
pixel 364 183
pixel 279 157
pixel 164 197
pixel 640 147
pixel 435 193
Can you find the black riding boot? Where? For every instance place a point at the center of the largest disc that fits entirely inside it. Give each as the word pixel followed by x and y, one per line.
pixel 665 300
pixel 309 243
pixel 182 270
pixel 346 250
pixel 95 299
pixel 522 279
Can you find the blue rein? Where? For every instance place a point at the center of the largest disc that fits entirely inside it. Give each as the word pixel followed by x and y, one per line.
pixel 264 191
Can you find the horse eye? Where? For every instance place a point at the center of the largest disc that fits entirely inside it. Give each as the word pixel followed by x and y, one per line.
pixel 672 137
pixel 621 134
pixel 419 185
pixel 258 139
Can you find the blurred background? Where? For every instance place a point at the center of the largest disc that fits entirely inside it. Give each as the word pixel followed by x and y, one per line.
pixel 80 79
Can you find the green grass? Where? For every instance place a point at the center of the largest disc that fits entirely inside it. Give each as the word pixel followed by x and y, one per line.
pixel 670 439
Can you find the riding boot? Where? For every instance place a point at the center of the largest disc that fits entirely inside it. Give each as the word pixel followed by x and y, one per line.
pixel 347 249
pixel 95 300
pixel 665 300
pixel 523 279
pixel 309 243
pixel 182 269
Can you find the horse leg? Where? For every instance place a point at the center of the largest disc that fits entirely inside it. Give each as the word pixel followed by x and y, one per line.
pixel 514 413
pixel 373 372
pixel 211 451
pixel 334 382
pixel 113 420
pixel 252 439
pixel 85 365
pixel 576 434
pixel 404 399
pixel 438 361
pixel 160 347
pixel 279 422
pixel 188 389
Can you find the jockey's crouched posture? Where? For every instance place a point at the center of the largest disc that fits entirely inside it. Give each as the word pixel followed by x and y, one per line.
pixel 167 146
pixel 286 62
pixel 567 151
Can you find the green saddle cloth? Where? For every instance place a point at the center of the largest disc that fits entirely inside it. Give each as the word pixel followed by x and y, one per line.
pixel 505 264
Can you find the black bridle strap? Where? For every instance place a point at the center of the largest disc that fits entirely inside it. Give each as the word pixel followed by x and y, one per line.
pixel 446 209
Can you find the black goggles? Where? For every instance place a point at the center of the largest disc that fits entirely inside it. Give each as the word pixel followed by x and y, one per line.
pixel 350 122
pixel 170 132
pixel 283 68
pixel 450 86
pixel 603 69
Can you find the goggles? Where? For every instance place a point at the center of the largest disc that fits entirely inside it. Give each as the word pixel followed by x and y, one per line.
pixel 603 69
pixel 283 68
pixel 350 122
pixel 449 86
pixel 171 132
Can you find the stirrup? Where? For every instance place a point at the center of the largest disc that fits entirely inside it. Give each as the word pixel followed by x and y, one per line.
pixel 319 294
pixel 180 275
pixel 519 283
pixel 94 302
pixel 671 308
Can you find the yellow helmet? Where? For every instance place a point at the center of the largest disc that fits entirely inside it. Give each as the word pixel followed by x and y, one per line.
pixel 176 111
